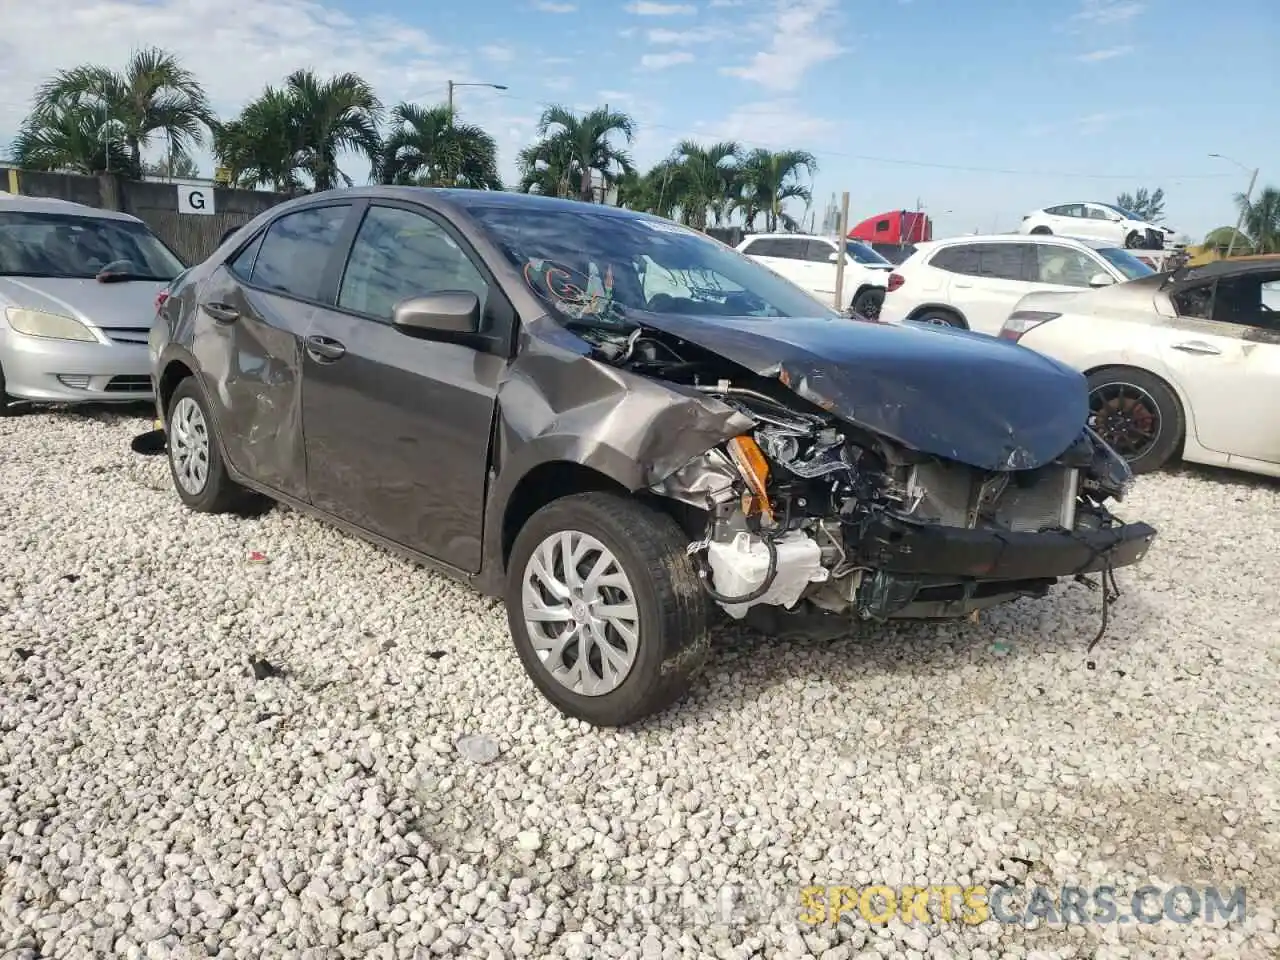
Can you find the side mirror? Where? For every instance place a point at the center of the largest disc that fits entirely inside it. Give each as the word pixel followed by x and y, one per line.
pixel 451 316
pixel 1101 280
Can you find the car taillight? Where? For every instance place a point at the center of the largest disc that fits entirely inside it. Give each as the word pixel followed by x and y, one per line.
pixel 161 297
pixel 895 281
pixel 1022 322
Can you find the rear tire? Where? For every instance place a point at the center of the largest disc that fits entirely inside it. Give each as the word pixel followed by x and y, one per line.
pixel 195 456
pixel 1041 231
pixel 1170 420
pixel 868 302
pixel 664 641
pixel 1135 241
pixel 938 317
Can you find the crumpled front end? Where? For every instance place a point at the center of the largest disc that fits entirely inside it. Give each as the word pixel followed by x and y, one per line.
pixel 806 511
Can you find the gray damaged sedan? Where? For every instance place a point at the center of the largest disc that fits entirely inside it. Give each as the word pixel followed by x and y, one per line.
pixel 620 426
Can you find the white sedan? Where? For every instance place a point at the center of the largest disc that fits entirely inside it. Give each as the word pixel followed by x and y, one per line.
pixel 1098 221
pixel 1184 363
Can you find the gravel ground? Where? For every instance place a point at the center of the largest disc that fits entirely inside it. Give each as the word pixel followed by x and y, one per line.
pixel 160 800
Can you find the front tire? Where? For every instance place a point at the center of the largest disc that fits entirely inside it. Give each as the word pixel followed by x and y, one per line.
pixel 1135 241
pixel 6 405
pixel 1138 415
pixel 1041 231
pixel 195 456
pixel 605 608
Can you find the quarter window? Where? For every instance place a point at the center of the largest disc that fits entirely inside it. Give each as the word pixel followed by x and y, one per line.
pixel 398 255
pixel 242 263
pixel 819 251
pixel 295 251
pixel 959 259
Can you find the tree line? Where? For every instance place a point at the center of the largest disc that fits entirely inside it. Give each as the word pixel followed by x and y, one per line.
pixel 92 119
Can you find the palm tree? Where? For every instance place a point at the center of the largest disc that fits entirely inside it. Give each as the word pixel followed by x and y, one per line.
pixel 341 113
pixel 705 180
pixel 649 192
pixel 571 149
pixel 263 145
pixel 154 94
pixel 1262 220
pixel 301 129
pixel 770 179
pixel 72 139
pixel 428 147
pixel 1220 239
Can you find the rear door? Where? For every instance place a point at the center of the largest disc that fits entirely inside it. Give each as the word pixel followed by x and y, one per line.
pixel 397 428
pixel 1228 365
pixel 250 317
pixel 987 298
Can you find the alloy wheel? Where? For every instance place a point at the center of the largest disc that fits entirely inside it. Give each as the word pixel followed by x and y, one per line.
pixel 580 610
pixel 1126 417
pixel 189 445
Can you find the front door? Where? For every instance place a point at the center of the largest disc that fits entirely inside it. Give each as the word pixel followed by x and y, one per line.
pixel 1228 365
pixel 397 428
pixel 253 312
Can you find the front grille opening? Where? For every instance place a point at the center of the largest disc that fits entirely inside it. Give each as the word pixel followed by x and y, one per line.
pixel 128 383
pixel 1028 501
pixel 76 381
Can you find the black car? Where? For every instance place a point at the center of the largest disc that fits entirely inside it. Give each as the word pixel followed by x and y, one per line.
pixel 617 424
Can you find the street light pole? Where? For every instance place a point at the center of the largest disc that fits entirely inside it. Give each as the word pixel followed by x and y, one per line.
pixel 1248 195
pixel 453 84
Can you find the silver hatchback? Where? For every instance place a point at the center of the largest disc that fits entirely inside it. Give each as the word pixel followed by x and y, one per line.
pixel 78 289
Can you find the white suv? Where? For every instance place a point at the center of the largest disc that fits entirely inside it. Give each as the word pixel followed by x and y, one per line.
pixel 974 282
pixel 810 263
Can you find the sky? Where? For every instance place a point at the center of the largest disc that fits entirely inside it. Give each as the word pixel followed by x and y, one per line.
pixel 977 110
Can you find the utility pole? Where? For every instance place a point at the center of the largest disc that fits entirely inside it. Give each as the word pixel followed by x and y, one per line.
pixel 842 252
pixel 450 98
pixel 1244 208
pixel 452 84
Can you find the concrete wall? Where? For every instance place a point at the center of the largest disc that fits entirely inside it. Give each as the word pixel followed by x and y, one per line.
pixel 192 236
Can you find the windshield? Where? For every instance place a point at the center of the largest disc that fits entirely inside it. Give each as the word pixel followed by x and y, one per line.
pixel 1127 214
pixel 596 268
pixel 861 253
pixel 58 245
pixel 1126 263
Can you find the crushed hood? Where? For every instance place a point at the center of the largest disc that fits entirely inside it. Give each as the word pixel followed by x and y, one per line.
pixel 964 396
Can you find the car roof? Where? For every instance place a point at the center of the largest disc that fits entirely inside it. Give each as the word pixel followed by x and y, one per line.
pixel 1037 238
pixel 1235 267
pixel 23 204
pixel 465 199
pixel 786 236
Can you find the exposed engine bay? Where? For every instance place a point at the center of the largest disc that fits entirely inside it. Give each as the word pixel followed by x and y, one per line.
pixel 810 509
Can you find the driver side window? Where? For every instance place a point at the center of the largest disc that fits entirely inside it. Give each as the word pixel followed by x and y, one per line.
pixel 398 255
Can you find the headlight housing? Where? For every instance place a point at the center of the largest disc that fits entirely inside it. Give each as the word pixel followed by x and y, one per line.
pixel 51 326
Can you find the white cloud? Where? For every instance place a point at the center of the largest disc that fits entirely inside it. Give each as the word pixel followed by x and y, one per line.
pixel 1107 53
pixel 558 84
pixel 648 8
pixel 1108 12
pixel 726 3
pixel 683 38
pixel 236 47
pixel 802 33
pixel 661 61
pixel 497 53
pixel 549 6
pixel 775 124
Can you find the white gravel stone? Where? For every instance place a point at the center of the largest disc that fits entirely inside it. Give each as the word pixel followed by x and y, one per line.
pixel 157 800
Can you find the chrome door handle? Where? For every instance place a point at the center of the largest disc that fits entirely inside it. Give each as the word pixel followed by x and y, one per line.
pixel 324 349
pixel 962 286
pixel 1198 347
pixel 223 313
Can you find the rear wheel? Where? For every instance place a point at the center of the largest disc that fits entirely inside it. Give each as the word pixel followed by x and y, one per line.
pixel 1041 231
pixel 938 317
pixel 868 302
pixel 1135 241
pixel 605 609
pixel 195 457
pixel 1137 414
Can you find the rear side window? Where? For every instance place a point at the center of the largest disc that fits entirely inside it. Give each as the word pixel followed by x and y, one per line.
pixel 818 251
pixel 959 259
pixel 791 248
pixel 296 249
pixel 1002 261
pixel 762 248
